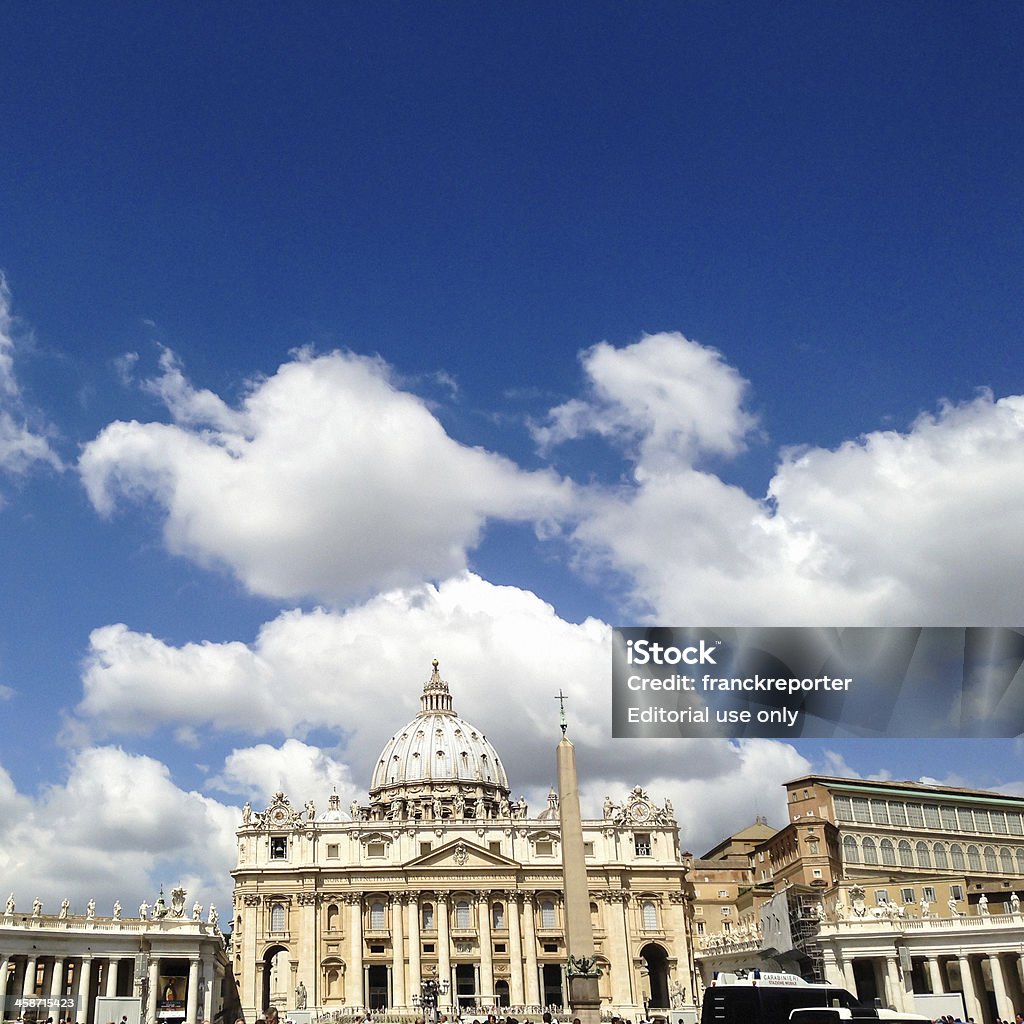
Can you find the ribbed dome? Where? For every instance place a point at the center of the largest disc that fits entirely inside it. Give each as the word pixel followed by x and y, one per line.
pixel 438 753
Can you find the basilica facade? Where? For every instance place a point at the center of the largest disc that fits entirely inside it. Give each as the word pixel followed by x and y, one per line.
pixel 442 876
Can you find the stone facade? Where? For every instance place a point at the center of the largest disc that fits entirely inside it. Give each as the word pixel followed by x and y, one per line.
pixel 442 875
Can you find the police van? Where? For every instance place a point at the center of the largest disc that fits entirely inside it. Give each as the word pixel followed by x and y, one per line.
pixel 766 997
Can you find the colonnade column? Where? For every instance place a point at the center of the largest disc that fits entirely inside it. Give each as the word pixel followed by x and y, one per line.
pixel 28 987
pixel 111 985
pixel 1004 1007
pixel 935 974
pixel 192 1006
pixel 82 995
pixel 4 967
pixel 892 983
pixel 57 979
pixel 832 973
pixel 354 973
pixel 210 974
pixel 967 982
pixel 530 952
pixel 515 948
pixel 485 990
pixel 415 970
pixel 398 997
pixel 444 942
pixel 849 977
pixel 154 983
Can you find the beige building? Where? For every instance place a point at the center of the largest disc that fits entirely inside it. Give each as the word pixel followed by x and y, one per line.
pixel 164 966
pixel 892 889
pixel 442 875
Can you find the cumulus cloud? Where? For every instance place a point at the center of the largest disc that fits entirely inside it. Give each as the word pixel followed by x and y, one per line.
pixel 22 444
pixel 115 828
pixel 912 527
pixel 327 480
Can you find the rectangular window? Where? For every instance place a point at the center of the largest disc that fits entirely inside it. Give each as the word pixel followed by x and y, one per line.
pixel 375 849
pixel 425 848
pixel 494 846
pixel 861 810
pixel 544 848
pixel 376 949
pixel 428 947
pixel 278 847
pixel 642 844
pixel 499 947
pixel 550 947
pixel 928 893
pixel 907 895
pixel 700 927
pixel 844 808
pixel 998 822
pixel 1013 823
pixel 588 849
pixel 881 896
pixel 817 873
pixel 966 819
pixel 726 911
pixel 982 821
pixel 698 911
pixel 915 816
pixel 879 812
pixel 332 851
pixel 931 816
pixel 723 894
pixel 956 891
pixel 948 817
pixel 897 813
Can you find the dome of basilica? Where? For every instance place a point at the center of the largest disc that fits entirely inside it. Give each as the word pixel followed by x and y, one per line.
pixel 439 756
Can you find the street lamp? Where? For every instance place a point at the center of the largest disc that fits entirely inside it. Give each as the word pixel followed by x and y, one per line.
pixel 430 991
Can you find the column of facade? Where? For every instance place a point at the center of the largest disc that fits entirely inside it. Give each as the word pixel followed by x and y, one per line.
pixel 354 975
pixel 967 983
pixel 618 937
pixel 111 986
pixel 192 1006
pixel 154 984
pixel 515 950
pixel 398 997
pixel 444 944
pixel 57 979
pixel 530 952
pixel 893 987
pixel 849 977
pixel 485 989
pixel 415 970
pixel 935 974
pixel 5 961
pixel 82 991
pixel 833 975
pixel 1004 1006
pixel 28 988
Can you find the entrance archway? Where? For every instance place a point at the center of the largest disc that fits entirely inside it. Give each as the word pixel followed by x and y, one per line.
pixel 656 959
pixel 275 978
pixel 552 977
pixel 377 987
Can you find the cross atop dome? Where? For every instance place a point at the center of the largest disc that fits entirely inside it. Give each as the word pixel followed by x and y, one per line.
pixel 435 697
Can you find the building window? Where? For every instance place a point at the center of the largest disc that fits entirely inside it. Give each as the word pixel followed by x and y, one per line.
pixel 931 816
pixel 642 844
pixel 897 813
pixel 816 872
pixel 427 916
pixel 1006 860
pixel 906 854
pixel 861 810
pixel 428 947
pixel 850 852
pixel 547 914
pixel 726 911
pixel 499 947
pixel 924 858
pixel 879 812
pixel 649 914
pixel 915 816
pixel 462 914
pixel 844 809
pixel 375 849
pixel 982 821
pixel 277 918
pixel 544 848
pixel 998 822
pixel 966 819
pixel 494 846
pixel 973 858
pixel 376 916
pixel 928 893
pixel 956 891
pixel 278 847
pixel 957 855
pixel 425 848
pixel 1020 860
pixel 497 916
pixel 881 897
pixel 332 917
pixel 888 853
pixel 870 850
pixel 588 849
pixel 723 894
pixel 700 927
pixel 550 947
pixel 907 895
pixel 990 859
pixel 332 851
pixel 1014 823
pixel 726 927
pixel 948 817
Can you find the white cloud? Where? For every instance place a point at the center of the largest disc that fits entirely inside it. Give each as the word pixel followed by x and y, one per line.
pixel 115 828
pixel 667 398
pixel 918 527
pixel 327 480
pixel 21 445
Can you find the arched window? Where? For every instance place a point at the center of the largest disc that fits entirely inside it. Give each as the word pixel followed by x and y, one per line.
pixel 547 915
pixel 1006 860
pixel 462 914
pixel 377 915
pixel 850 852
pixel 277 917
pixel 870 850
pixel 924 858
pixel 888 853
pixel 939 849
pixel 497 916
pixel 957 854
pixel 906 855
pixel 427 917
pixel 990 859
pixel 332 917
pixel 1020 860
pixel 973 858
pixel 649 915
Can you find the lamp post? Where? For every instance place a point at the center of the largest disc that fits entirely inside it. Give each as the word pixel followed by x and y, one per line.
pixel 430 992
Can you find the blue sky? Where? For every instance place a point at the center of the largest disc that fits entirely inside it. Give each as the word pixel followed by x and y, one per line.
pixel 341 337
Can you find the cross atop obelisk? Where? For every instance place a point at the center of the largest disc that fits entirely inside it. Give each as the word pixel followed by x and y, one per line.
pixel 562 698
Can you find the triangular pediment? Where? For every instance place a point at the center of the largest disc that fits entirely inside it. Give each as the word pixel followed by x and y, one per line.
pixel 460 853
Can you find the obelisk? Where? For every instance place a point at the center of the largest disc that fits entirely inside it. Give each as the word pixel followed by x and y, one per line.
pixel 582 971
